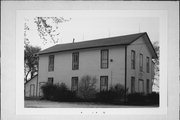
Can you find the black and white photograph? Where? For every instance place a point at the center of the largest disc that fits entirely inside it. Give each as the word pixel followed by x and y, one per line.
pixel 93 60
pixel 90 60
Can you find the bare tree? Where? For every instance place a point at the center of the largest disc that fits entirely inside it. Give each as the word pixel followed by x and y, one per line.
pixel 48 28
pixel 30 61
pixel 156 65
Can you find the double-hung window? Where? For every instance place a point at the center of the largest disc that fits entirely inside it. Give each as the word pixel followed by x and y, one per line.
pixel 103 83
pixel 147 85
pixel 75 61
pixel 51 63
pixel 141 86
pixel 50 80
pixel 141 62
pixel 132 59
pixel 147 65
pixel 104 58
pixel 132 84
pixel 74 84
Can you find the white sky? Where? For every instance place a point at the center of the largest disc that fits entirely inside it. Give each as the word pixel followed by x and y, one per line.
pixel 91 27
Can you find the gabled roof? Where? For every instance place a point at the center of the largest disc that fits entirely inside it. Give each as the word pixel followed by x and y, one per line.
pixel 31 79
pixel 111 41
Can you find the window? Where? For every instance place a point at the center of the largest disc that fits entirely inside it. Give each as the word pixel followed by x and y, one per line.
pixel 147 64
pixel 132 59
pixel 141 86
pixel 51 63
pixel 132 84
pixel 103 83
pixel 104 59
pixel 75 61
pixel 141 62
pixel 40 88
pixel 147 86
pixel 74 84
pixel 50 80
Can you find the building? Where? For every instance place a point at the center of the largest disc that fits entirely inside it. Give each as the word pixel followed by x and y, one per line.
pixel 125 60
pixel 30 87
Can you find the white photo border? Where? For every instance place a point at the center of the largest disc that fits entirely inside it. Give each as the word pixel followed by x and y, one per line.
pixel 12 101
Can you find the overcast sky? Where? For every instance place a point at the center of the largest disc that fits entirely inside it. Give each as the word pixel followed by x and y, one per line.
pixel 89 27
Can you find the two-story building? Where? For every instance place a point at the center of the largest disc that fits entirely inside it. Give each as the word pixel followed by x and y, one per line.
pixel 125 60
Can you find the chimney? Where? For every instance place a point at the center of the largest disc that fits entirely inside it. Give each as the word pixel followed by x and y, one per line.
pixel 73 40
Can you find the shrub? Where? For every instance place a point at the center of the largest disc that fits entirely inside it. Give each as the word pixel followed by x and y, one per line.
pixel 87 88
pixel 153 98
pixel 62 93
pixel 136 98
pixel 119 91
pixel 48 91
pixel 105 96
pixel 57 92
pixel 115 93
pixel 142 99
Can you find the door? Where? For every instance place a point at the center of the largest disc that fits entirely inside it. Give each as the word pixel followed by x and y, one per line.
pixel 32 90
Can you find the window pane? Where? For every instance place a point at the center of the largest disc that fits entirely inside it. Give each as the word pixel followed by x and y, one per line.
pixel 104 55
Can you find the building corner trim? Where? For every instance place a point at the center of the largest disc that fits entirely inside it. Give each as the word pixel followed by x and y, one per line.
pixel 125 77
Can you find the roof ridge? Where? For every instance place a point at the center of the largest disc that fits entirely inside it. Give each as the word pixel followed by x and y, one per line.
pixel 90 40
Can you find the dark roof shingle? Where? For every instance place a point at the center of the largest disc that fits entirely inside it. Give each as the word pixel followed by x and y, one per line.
pixel 119 40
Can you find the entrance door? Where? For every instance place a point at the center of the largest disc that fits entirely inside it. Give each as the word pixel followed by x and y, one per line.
pixel 32 90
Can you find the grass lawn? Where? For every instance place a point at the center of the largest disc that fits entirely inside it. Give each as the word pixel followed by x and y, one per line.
pixel 52 104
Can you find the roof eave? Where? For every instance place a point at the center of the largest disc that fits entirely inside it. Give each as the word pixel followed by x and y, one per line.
pixel 31 79
pixel 81 49
pixel 155 56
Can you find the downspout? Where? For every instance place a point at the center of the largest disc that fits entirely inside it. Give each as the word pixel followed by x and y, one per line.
pixel 125 82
